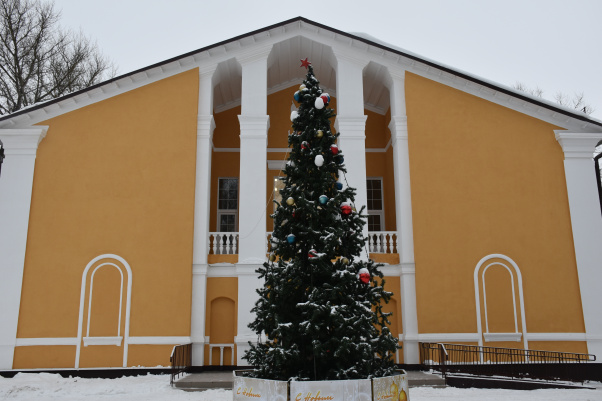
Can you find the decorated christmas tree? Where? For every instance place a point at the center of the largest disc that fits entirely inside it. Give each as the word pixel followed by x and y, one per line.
pixel 320 309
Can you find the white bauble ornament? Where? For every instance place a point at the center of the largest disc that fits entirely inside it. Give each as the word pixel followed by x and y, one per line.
pixel 319 160
pixel 294 115
pixel 319 104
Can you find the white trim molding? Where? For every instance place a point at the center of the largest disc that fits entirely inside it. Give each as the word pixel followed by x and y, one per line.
pixel 276 164
pixel 557 337
pixel 519 280
pixel 159 340
pixel 474 337
pixel 106 260
pixel 493 337
pixel 103 341
pixel 586 224
pixel 31 342
pixel 448 337
pixel 149 340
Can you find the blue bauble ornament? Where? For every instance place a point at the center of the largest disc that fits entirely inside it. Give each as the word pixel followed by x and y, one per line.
pixel 323 199
pixel 297 96
pixel 339 185
pixel 291 238
pixel 341 160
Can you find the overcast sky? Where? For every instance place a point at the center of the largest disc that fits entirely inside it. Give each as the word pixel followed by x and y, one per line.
pixel 553 44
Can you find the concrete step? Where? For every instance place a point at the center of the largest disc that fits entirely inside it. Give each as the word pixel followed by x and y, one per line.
pixel 473 381
pixel 213 380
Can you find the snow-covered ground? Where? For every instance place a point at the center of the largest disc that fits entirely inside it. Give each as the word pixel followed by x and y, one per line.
pixel 46 386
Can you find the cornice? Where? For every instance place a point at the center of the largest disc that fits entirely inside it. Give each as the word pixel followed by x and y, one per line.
pixel 253 123
pixel 22 141
pixel 255 54
pixel 205 126
pixel 399 128
pixel 343 53
pixel 578 145
pixel 351 127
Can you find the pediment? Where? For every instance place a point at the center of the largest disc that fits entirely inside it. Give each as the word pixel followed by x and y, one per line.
pixel 295 39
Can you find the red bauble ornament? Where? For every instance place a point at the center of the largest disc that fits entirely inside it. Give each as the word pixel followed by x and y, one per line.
pixel 304 145
pixel 312 254
pixel 346 210
pixel 334 149
pixel 325 99
pixel 364 275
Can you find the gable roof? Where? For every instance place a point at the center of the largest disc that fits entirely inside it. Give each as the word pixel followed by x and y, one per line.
pixel 506 96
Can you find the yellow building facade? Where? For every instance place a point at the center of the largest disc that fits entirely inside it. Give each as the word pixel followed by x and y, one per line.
pixel 134 214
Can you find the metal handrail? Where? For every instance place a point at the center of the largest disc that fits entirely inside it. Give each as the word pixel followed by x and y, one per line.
pixel 479 359
pixel 181 361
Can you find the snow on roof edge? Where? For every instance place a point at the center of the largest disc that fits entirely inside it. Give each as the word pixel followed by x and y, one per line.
pixel 371 38
pixel 359 35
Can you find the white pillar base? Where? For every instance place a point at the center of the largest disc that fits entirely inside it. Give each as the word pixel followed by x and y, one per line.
pixel 198 315
pixel 594 346
pixel 411 353
pixel 409 315
pixel 198 353
pixel 248 283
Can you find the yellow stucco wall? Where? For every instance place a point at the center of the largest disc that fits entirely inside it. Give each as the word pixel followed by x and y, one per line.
pixel 115 177
pixel 486 179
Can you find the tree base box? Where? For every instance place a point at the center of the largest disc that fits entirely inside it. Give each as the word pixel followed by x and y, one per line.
pixel 389 388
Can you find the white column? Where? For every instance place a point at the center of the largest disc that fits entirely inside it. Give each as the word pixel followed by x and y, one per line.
pixel 351 124
pixel 586 222
pixel 254 124
pixel 202 195
pixel 16 184
pixel 403 204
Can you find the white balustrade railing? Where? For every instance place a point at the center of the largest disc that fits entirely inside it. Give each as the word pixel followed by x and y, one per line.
pixel 383 242
pixel 221 353
pixel 221 243
pixel 226 243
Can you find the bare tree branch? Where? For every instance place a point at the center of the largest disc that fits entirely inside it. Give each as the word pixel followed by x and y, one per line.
pixel 576 102
pixel 38 60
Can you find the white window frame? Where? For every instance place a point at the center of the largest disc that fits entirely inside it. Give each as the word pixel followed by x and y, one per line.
pixel 221 212
pixel 381 212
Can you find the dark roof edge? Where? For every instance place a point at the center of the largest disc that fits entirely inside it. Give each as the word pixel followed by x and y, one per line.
pixel 339 32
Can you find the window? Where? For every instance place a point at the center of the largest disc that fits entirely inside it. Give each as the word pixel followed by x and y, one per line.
pixel 278 186
pixel 376 212
pixel 227 204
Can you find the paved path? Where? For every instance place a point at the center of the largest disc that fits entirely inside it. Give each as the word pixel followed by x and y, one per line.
pixel 209 380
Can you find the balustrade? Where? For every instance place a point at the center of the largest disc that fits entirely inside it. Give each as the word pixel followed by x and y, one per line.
pixel 226 243
pixel 223 243
pixel 221 353
pixel 383 242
